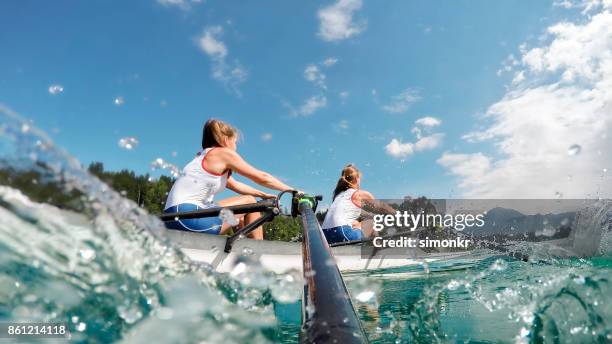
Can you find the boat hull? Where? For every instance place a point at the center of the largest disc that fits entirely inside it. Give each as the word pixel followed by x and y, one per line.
pixel 280 257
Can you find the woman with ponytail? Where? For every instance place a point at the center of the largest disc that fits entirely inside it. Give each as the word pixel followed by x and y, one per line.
pixel 208 174
pixel 341 221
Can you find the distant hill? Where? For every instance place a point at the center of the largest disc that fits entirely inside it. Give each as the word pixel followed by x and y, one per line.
pixel 512 223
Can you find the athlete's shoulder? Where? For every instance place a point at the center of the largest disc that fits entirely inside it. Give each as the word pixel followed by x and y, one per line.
pixel 363 194
pixel 223 152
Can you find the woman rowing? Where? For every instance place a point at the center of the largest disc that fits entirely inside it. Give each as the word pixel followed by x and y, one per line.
pixel 208 174
pixel 342 219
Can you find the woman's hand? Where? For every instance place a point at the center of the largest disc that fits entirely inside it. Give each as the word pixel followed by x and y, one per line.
pixel 265 195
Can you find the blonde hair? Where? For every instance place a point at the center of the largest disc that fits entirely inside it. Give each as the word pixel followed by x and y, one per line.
pixel 216 132
pixel 348 179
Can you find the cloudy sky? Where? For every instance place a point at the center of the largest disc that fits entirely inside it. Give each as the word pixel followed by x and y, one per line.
pixel 465 98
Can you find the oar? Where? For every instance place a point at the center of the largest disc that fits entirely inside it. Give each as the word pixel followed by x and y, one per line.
pixel 212 212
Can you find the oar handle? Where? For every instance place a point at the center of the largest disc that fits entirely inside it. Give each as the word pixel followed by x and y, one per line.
pixel 211 212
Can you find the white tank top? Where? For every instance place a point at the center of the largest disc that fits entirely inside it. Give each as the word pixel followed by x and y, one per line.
pixel 343 211
pixel 196 185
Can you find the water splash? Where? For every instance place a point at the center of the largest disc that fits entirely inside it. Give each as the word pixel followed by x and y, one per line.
pixel 128 143
pixel 100 263
pixel 228 217
pixel 161 164
pixel 56 89
pixel 574 150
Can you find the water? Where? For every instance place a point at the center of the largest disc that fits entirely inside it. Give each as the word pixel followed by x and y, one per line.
pixel 101 264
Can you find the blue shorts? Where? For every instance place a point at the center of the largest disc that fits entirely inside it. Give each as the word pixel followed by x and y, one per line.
pixel 209 225
pixel 342 233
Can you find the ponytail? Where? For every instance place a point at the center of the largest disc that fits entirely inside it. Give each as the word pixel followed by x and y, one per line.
pixel 348 179
pixel 215 132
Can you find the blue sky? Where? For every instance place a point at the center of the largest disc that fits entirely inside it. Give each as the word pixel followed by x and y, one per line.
pixel 312 85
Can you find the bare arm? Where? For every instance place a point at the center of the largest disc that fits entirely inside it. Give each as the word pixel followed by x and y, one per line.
pixel 244 189
pixel 236 163
pixel 372 205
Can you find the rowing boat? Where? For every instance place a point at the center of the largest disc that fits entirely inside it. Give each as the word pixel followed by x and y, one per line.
pixel 222 252
pixel 281 257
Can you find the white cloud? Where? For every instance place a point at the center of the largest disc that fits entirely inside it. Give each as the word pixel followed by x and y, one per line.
pixel 428 121
pixel 399 150
pixel 328 62
pixel 429 142
pixel 231 74
pixel 402 102
pixel 211 43
pixel 266 137
pixel 417 132
pixel 472 168
pixel 336 21
pixel 313 74
pixel 310 106
pixel 563 98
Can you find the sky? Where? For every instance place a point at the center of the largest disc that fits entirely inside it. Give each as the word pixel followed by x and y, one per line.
pixel 477 98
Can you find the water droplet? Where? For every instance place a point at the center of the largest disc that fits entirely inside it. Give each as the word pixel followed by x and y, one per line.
pixel 56 89
pixel 425 267
pixel 365 296
pixel 330 262
pixel 130 314
pixel 605 170
pixel 558 194
pixel 288 288
pixel 128 143
pixel 228 217
pixel 119 101
pixel 579 280
pixel 524 332
pixel 247 251
pixel 160 164
pixel 81 327
pixel 574 150
pixel 309 273
pixel 549 231
pixel 25 128
pixel 251 275
pixel 453 285
pixel 87 254
pixel 499 265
